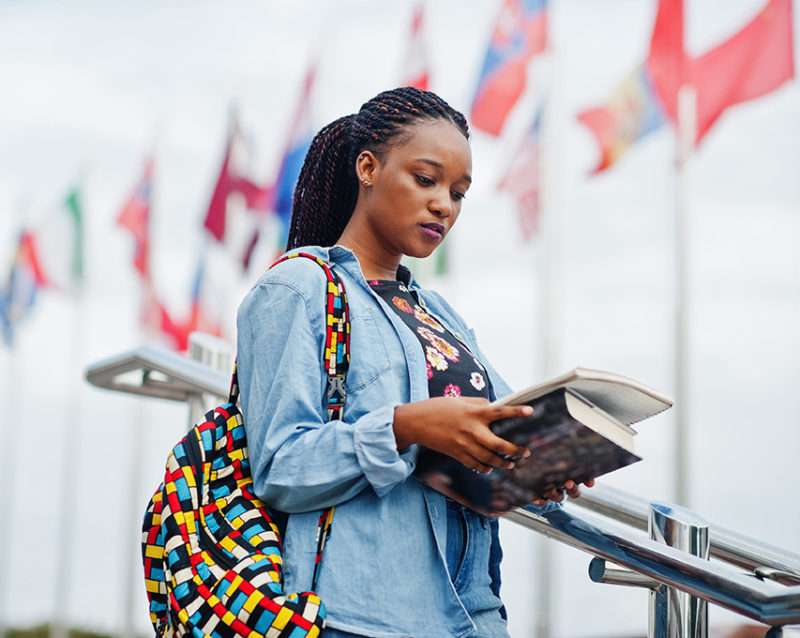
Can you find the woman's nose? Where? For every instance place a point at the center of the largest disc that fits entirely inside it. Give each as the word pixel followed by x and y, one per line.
pixel 440 204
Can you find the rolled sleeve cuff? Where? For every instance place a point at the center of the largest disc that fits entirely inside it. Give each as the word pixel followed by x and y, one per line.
pixel 376 450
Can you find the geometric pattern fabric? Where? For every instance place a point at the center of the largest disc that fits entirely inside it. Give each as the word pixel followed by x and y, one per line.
pixel 211 549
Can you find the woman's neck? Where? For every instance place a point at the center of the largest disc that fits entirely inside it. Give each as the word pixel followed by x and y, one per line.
pixel 375 261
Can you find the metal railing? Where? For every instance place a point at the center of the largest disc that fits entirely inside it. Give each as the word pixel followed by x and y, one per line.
pixel 751 578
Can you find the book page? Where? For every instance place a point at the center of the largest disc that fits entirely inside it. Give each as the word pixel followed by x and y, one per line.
pixel 625 399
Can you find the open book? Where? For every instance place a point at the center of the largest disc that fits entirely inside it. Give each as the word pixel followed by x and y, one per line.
pixel 579 429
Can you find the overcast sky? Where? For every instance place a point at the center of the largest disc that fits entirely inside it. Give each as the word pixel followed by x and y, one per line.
pixel 90 88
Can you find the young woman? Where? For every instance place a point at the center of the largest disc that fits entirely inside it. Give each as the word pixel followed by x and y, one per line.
pixel 402 560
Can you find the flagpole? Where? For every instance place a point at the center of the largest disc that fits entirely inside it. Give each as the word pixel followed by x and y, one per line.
pixel 8 445
pixel 140 203
pixel 548 313
pixel 687 133
pixel 71 429
pixel 67 500
pixel 131 532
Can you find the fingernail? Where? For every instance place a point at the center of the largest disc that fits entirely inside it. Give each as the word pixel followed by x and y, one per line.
pixel 527 410
pixel 510 465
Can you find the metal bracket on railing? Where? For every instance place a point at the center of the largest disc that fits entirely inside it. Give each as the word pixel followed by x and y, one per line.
pixel 673 613
pixel 599 572
pixel 778 575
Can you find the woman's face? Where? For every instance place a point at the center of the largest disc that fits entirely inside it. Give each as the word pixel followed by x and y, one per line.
pixel 417 188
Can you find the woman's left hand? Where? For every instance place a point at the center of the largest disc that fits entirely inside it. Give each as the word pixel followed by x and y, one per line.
pixel 556 495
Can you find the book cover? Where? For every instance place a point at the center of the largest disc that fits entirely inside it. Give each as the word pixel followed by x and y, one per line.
pixel 562 447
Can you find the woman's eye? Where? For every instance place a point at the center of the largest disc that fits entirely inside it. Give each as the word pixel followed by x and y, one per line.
pixel 457 195
pixel 425 181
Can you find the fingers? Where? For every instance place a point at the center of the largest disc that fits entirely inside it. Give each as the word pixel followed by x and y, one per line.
pixel 509 411
pixel 501 447
pixel 572 488
pixel 557 494
pixel 554 495
pixel 476 465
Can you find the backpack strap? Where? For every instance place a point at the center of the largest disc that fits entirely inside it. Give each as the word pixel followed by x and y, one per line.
pixel 337 339
pixel 336 361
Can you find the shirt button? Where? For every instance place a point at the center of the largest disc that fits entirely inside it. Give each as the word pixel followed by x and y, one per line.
pixel 458 336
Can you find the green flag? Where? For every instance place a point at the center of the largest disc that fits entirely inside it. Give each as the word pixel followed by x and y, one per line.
pixel 59 237
pixel 73 204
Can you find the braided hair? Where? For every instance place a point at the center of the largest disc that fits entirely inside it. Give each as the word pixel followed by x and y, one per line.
pixel 327 187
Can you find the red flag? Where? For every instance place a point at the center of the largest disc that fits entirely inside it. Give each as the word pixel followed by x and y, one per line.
pixel 522 180
pixel 520 32
pixel 753 62
pixel 228 183
pixel 178 331
pixel 135 217
pixel 666 62
pixel 417 72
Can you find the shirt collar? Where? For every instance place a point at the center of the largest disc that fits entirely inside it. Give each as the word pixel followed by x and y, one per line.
pixel 346 259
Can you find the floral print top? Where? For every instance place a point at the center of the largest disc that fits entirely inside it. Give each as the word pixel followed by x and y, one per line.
pixel 453 371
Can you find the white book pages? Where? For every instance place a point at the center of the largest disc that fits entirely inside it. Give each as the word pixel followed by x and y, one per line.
pixel 625 399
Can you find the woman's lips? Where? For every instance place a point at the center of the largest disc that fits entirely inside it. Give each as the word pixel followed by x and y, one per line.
pixel 433 230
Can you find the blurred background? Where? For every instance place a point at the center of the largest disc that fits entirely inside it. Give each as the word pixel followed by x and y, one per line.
pixel 147 151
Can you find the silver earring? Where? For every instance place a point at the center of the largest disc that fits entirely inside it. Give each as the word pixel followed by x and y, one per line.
pixel 365 181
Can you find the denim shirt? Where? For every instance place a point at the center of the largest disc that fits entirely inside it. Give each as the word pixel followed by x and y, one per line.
pixel 383 571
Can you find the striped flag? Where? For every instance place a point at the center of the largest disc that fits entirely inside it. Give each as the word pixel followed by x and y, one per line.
pixel 520 32
pixel 60 238
pixel 521 179
pixel 135 217
pixel 632 111
pixel 23 282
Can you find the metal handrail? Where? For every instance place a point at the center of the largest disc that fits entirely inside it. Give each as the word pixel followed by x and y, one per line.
pixel 725 544
pixel 768 592
pixel 766 601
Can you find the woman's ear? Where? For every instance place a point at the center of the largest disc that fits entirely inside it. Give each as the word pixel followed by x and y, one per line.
pixel 365 168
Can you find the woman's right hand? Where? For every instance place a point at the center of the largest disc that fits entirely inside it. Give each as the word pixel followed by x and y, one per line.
pixel 459 427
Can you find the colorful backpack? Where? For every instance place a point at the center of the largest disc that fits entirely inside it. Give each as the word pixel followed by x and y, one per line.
pixel 211 549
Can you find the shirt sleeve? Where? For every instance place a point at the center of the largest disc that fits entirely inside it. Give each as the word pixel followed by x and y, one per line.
pixel 299 460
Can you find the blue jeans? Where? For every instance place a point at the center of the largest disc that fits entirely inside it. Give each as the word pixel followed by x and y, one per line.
pixel 463 527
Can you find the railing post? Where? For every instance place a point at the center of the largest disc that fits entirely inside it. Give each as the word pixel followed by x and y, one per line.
pixel 673 613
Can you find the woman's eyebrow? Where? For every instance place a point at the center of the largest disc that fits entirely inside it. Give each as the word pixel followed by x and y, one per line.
pixel 439 165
